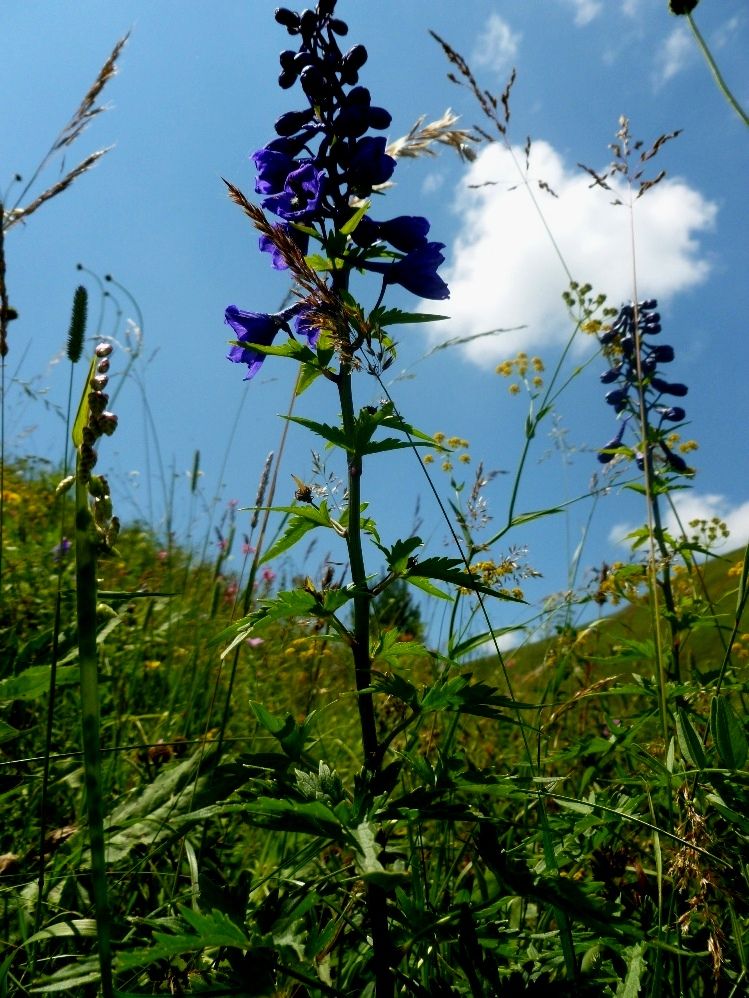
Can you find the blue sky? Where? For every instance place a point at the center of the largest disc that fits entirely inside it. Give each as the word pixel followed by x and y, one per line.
pixel 196 95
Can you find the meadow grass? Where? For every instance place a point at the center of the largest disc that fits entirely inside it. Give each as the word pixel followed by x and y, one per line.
pixel 215 784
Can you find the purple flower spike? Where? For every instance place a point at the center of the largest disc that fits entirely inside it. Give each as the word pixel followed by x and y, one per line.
pixel 250 327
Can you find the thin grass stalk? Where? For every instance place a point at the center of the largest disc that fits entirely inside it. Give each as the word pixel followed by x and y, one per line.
pixel 74 347
pixel 717 75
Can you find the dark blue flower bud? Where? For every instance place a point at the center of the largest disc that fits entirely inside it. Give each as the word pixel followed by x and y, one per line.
pixel 325 7
pixel 287 59
pixel 608 452
pixel 355 58
pixel 288 19
pixel 292 121
pixel 287 79
pixel 611 375
pixel 608 337
pixel 663 354
pixel 627 343
pixel 302 60
pixel 675 462
pixel 648 305
pixel 651 330
pixel 650 318
pixel 618 398
pixel 308 23
pixel 313 82
pixel 674 413
pixel 669 388
pixel 338 27
pixel 379 118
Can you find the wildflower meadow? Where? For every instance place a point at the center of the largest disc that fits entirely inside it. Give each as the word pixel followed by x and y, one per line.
pixel 340 736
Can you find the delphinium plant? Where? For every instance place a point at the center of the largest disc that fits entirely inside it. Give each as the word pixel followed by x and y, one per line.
pixel 318 177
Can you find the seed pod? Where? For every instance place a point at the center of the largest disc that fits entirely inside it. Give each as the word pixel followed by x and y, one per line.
pixel 104 349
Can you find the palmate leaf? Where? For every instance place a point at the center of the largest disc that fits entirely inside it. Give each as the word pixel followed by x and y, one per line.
pixel 194 931
pixel 397 317
pixel 308 817
pixel 448 570
pixel 333 434
pixel 479 699
pixel 302 519
pixel 290 603
pixel 397 556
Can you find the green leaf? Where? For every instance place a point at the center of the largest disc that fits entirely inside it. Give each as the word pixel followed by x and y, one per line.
pixel 302 519
pixel 728 733
pixel 81 416
pixel 479 699
pixel 690 742
pixel 308 817
pixel 447 570
pixel 348 227
pixel 196 931
pixel 291 736
pixel 317 262
pixel 333 434
pixel 33 682
pixel 535 514
pixel 7 732
pixel 630 986
pixel 427 587
pixel 397 556
pixel 397 317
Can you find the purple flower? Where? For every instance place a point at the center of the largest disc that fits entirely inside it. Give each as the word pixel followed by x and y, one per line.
pixel 273 167
pixel 416 272
pixel 369 164
pixel 300 198
pixel 608 452
pixel 250 327
pixel 268 246
pixel 304 327
pixel 60 550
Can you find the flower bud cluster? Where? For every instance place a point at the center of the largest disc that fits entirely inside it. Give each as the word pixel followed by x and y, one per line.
pixel 321 168
pixel 100 423
pixel 634 373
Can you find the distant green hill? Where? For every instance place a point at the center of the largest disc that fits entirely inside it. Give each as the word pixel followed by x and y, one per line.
pixel 622 642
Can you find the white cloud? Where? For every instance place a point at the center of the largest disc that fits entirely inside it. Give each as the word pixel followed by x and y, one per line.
pixel 692 506
pixel 672 57
pixel 585 10
pixel 503 270
pixel 497 45
pixel 432 182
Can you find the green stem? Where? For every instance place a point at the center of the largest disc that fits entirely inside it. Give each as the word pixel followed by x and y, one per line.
pixel 376 897
pixel 86 594
pixel 722 85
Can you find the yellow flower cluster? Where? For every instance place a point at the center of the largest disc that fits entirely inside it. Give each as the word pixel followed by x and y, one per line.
pixel 521 365
pixel 454 444
pixel 307 647
pixel 675 442
pixel 709 531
